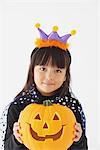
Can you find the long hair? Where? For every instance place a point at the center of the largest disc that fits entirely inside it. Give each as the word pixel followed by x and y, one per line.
pixel 59 57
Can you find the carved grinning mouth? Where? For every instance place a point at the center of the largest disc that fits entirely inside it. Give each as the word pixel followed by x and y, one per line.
pixel 40 138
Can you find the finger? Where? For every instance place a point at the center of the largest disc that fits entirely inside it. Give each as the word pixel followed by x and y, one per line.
pixel 76 139
pixel 78 126
pixel 16 133
pixel 16 126
pixel 19 140
pixel 17 136
pixel 78 132
pixel 77 136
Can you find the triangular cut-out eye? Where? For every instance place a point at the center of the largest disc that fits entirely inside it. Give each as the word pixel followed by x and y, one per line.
pixel 37 117
pixel 56 117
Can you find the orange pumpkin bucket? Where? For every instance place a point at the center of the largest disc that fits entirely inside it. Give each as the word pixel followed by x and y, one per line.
pixel 47 127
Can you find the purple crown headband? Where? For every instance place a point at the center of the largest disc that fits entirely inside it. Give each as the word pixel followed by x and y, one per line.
pixel 53 39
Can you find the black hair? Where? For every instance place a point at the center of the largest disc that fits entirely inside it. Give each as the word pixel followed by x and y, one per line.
pixel 58 57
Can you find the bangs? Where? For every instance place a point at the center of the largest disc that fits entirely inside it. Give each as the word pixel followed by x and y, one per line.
pixel 53 55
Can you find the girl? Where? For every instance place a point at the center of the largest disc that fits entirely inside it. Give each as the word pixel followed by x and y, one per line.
pixel 48 78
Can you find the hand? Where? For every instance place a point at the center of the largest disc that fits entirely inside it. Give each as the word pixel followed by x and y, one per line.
pixel 78 132
pixel 16 133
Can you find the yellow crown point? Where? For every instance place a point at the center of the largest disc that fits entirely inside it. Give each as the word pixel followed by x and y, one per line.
pixel 37 25
pixel 55 28
pixel 73 32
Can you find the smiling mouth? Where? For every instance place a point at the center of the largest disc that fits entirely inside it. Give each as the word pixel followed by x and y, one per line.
pixel 48 84
pixel 40 138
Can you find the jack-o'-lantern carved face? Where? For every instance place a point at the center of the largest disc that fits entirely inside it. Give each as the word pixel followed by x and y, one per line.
pixel 47 127
pixel 40 130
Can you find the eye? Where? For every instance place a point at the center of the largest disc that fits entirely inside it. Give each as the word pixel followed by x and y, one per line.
pixel 42 68
pixel 37 117
pixel 55 117
pixel 58 71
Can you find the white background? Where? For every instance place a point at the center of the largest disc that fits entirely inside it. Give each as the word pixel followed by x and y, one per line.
pixel 17 34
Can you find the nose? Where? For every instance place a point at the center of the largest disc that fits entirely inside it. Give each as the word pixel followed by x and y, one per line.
pixel 50 75
pixel 45 126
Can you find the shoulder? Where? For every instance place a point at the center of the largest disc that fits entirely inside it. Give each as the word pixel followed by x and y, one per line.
pixel 75 105
pixel 71 102
pixel 19 102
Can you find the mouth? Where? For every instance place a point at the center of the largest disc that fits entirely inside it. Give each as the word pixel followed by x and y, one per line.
pixel 47 84
pixel 40 138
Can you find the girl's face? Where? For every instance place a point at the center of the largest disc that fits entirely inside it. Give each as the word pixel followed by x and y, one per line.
pixel 48 78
